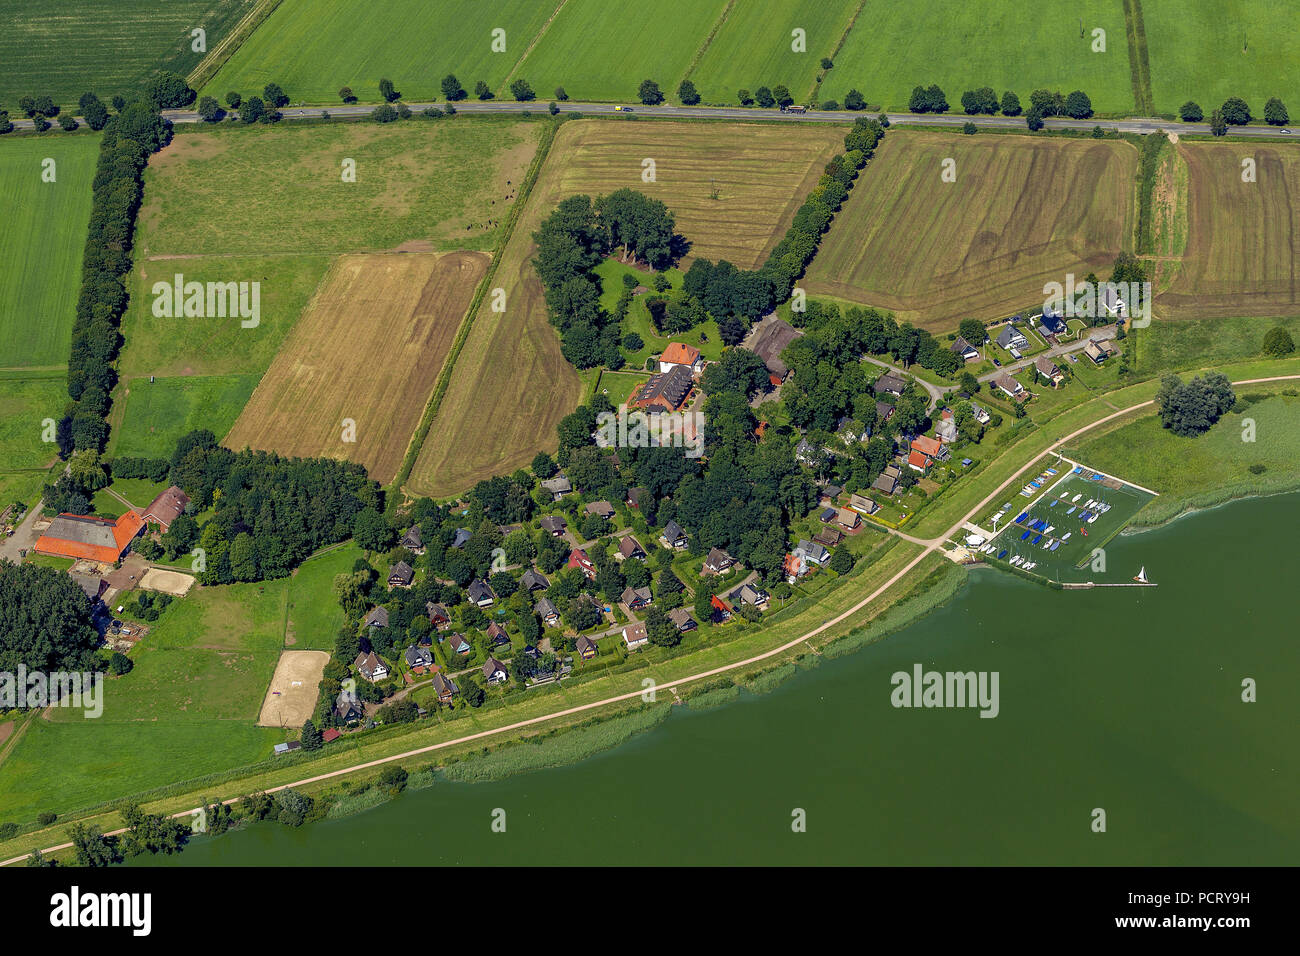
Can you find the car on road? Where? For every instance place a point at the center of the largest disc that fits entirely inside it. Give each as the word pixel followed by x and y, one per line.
pixel 1285 132
pixel 997 363
pixel 623 109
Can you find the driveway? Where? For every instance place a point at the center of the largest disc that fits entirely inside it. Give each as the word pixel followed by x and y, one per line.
pixel 23 538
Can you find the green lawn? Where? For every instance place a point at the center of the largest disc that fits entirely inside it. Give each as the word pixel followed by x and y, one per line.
pixel 962 45
pixel 139 491
pixel 599 50
pixel 618 386
pixel 312 48
pixel 704 336
pixel 159 412
pixel 755 47
pixel 65 47
pixel 28 403
pixel 1208 50
pixel 314 613
pixel 43 237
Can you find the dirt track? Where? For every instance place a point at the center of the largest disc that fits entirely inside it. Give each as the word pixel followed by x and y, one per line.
pixel 297 677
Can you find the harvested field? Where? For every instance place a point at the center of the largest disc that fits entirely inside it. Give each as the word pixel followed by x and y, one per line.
pixel 369 349
pixel 1021 213
pixel 291 698
pixel 1240 256
pixel 169 582
pixel 511 372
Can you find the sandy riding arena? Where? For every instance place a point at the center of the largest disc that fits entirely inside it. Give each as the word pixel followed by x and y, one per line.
pixel 291 698
pixel 169 582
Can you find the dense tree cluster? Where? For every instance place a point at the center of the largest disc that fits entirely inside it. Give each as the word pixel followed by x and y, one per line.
pixel 1191 408
pixel 44 621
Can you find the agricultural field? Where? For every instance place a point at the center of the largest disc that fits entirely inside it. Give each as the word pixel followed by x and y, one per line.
pixel 312 48
pixel 511 372
pixel 962 45
pixel 435 186
pixel 367 351
pixel 27 401
pixel 1209 50
pixel 46 44
pixel 753 47
pixel 1240 255
pixel 1021 213
pixel 41 243
pixel 598 50
pixel 150 416
pixel 1204 343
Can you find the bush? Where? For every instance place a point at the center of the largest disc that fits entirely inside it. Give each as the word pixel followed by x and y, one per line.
pixel 8 831
pixel 827 63
pixel 1278 342
pixel 560 94
pixel 1257 469
pixel 746 98
pixel 46 817
pixel 853 100
pixel 970 129
pixel 120 664
pixel 831 105
pixel 483 91
pixel 68 123
pixel 384 113
pixel 1010 104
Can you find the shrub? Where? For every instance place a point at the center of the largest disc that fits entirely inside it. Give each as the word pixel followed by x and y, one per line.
pixel 46 817
pixel 853 100
pixel 1278 342
pixel 831 105
pixel 1235 111
pixel 482 90
pixel 970 129
pixel 68 123
pixel 346 94
pixel 560 94
pixel 384 113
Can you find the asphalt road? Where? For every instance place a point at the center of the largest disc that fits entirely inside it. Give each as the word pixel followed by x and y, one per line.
pixel 1133 125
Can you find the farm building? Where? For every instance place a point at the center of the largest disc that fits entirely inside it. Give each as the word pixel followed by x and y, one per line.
pixel 94 539
pixel 679 355
pixel 664 392
pixel 768 340
pixel 166 508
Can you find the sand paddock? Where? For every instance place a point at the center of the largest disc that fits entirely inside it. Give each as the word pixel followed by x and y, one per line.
pixel 169 582
pixel 297 677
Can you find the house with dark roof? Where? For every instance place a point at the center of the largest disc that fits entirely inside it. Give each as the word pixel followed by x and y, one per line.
pixel 534 581
pixel 964 350
pixel 438 615
pixel 890 383
pixel 554 525
pixel 413 540
pixel 749 594
pixel 812 551
pixel 630 547
pixel 827 514
pixel 166 508
pixel 461 538
pixel 378 617
pixel 444 687
pixel 718 561
pixel 494 672
pixel 347 707
pixel 768 339
pixel 400 575
pixel 848 519
pixel 1010 387
pixel 419 657
pixel 673 536
pixel 547 611
pixel 636 598
pixel 497 635
pixel 1049 370
pixel 885 411
pixel 862 504
pixel 829 537
pixel 370 667
pixel 479 593
pixel 601 508
pixel 558 486
pixel 94 539
pixel 664 391
pixel 635 496
pixel 586 647
pixel 1012 339
pixel 682 618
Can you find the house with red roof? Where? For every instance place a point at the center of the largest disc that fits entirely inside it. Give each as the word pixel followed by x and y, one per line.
pixel 679 353
pixel 578 559
pixel 94 539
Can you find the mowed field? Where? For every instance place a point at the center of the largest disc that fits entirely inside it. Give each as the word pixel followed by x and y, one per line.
pixel 964 44
pixel 511 373
pixel 66 47
pixel 1021 213
pixel 312 48
pixel 368 350
pixel 754 47
pixel 41 243
pixel 1208 50
pixel 1241 256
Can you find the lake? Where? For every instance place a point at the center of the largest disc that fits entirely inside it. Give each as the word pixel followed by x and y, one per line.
pixel 1124 699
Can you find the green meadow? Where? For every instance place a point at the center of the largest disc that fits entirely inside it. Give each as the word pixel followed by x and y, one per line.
pixel 962 45
pixel 312 48
pixel 27 402
pixel 755 47
pixel 159 412
pixel 41 242
pixel 314 614
pixel 66 47
pixel 1204 343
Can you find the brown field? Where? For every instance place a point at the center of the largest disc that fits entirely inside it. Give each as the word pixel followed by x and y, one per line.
pixel 297 677
pixel 511 374
pixel 1240 256
pixel 1021 213
pixel 369 348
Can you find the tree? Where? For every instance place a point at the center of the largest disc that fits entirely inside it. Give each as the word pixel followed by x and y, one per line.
pixel 252 110
pixel 1275 113
pixel 68 122
pixel 274 95
pixel 209 109
pixel 660 629
pixel 1278 342
pixel 94 111
pixel 746 98
pixel 1078 105
pixel 1034 119
pixel 632 342
pixel 703 604
pixel 982 100
pixel 1010 104
pixel 782 96
pixel 120 664
pixel 842 561
pixel 687 93
pixel 1218 125
pixel 346 94
pixel 170 91
pixel 764 98
pixel 854 100
pixel 383 113
pixel 972 330
pixel 40 123
pixel 560 94
pixel 1190 112
pixel 45 106
pixel 1190 408
pixel 371 531
pixel 544 466
pixel 521 91
pixel 649 93
pixel 1235 111
pixel 452 91
pixel 553 109
pixel 92 848
pixel 483 91
pixel 311 737
pixel 970 129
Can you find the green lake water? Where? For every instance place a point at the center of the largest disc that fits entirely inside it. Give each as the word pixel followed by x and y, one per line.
pixel 1124 699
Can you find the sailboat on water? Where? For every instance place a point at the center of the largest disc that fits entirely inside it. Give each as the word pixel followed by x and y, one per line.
pixel 1141 576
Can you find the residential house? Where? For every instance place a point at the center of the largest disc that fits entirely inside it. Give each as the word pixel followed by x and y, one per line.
pixel 673 536
pixel 347 707
pixel 458 644
pixel 795 566
pixel 830 494
pixel 981 414
pixel 554 525
pixel 494 672
pixel 682 618
pixel 1098 350
pixel 378 617
pixel 1049 370
pixel 602 508
pixel 830 537
pixel 850 431
pixel 370 667
pixel 827 515
pixel 885 411
pixel 497 635
pixel 768 339
pixel 1009 387
pixel 534 581
pixel 721 610
pixel 479 593
pixel 634 635
pixel 547 612
pixel 413 540
pixel 1012 339
pixel 630 547
pixel 635 496
pixel 891 384
pixel 919 461
pixel 1051 322
pixel 400 575
pixel 166 508
pixel 848 519
pixel 438 615
pixel 862 504
pixel 931 448
pixel 664 391
pixel 578 559
pixel 419 657
pixel 813 552
pixel 749 594
pixel 946 429
pixel 636 598
pixel 964 350
pixel 678 354
pixel 444 687
pixel 586 647
pixel 461 538
pixel 887 480
pixel 718 561
pixel 558 487
pixel 807 453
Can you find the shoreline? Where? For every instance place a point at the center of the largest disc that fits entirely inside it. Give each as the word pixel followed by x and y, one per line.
pixel 1207 501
